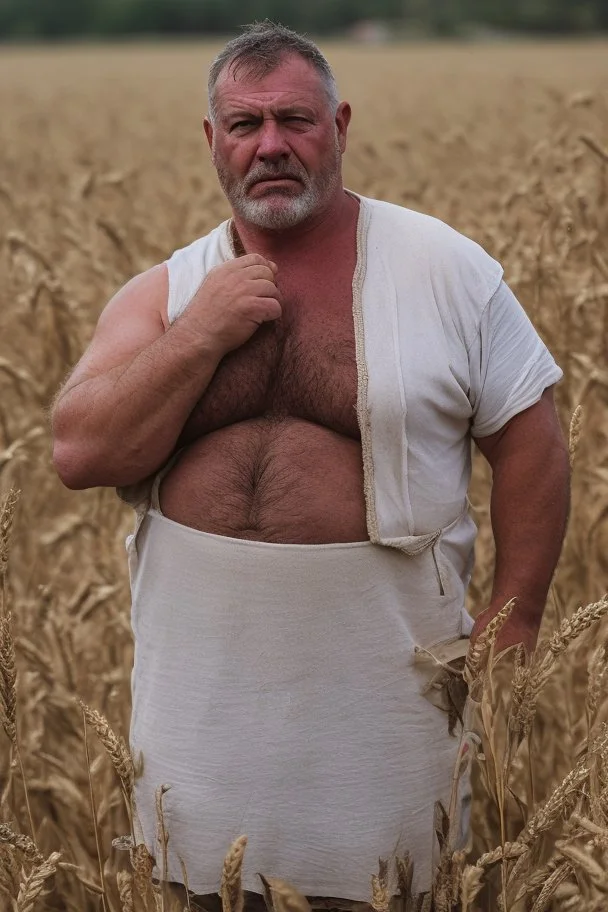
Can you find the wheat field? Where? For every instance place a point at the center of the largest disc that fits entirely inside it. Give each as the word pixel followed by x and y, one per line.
pixel 103 172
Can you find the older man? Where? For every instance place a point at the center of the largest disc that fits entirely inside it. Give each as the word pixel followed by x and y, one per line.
pixel 289 404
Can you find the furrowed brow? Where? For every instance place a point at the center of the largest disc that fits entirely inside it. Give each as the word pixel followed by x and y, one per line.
pixel 290 110
pixel 241 114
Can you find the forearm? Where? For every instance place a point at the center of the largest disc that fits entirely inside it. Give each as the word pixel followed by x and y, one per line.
pixel 117 428
pixel 529 510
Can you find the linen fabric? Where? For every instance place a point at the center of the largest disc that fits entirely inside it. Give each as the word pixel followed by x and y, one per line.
pixel 276 691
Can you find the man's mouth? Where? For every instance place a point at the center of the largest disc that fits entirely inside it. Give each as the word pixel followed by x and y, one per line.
pixel 275 180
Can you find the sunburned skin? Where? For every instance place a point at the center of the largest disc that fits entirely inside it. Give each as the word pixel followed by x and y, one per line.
pixel 272 450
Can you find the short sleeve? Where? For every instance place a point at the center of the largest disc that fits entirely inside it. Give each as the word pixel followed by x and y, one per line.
pixel 510 366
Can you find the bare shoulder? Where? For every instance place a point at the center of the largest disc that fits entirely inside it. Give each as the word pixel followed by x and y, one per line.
pixel 143 296
pixel 133 319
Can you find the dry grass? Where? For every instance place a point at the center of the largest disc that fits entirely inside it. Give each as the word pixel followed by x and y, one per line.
pixel 103 173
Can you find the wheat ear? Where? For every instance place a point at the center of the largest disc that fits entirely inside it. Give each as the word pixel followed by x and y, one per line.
pixel 8 701
pixel 597 670
pixel 143 865
pixel 19 841
pixel 551 884
pixel 231 891
pixel 542 668
pixel 574 435
pixel 471 883
pixel 563 797
pixel 116 749
pixel 8 680
pixel 380 897
pixel 124 882
pixel 479 652
pixel 281 896
pixel 32 885
pixel 7 514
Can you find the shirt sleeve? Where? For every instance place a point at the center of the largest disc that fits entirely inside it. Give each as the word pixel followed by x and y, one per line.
pixel 510 366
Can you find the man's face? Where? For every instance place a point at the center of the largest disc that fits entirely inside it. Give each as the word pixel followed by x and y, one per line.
pixel 277 143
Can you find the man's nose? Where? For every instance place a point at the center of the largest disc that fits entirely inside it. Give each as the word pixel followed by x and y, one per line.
pixel 272 145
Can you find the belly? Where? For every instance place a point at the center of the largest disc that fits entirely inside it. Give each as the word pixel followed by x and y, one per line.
pixel 281 480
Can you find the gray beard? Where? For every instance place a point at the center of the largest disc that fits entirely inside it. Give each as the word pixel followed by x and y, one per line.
pixel 294 207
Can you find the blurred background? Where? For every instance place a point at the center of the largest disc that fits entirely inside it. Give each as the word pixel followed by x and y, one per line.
pixel 489 114
pixel 366 20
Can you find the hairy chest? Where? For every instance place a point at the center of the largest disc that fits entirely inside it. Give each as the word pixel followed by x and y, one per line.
pixel 302 366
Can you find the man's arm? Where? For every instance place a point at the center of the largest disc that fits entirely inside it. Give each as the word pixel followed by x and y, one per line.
pixel 118 417
pixel 529 511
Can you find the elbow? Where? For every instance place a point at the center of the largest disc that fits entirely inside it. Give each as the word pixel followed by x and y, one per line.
pixel 80 467
pixel 72 467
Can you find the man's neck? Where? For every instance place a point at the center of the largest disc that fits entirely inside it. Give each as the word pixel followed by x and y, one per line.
pixel 315 233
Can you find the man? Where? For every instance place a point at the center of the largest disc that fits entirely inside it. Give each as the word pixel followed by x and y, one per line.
pixel 289 404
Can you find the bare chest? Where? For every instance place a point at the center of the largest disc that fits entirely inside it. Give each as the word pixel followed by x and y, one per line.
pixel 301 366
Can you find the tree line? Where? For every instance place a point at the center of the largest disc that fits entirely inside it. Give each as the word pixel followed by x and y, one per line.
pixel 57 19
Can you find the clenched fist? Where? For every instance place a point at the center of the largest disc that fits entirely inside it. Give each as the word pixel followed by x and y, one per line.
pixel 234 300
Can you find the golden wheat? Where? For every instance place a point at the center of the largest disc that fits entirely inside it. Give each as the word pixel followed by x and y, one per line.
pixel 508 144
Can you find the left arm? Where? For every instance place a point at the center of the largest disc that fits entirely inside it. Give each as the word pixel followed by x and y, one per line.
pixel 529 510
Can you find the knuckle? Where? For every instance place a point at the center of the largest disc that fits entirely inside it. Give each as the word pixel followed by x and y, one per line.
pixel 253 259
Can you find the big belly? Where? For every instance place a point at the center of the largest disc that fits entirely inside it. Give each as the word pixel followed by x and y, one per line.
pixel 286 481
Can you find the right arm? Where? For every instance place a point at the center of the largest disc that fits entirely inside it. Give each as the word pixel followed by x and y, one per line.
pixel 119 415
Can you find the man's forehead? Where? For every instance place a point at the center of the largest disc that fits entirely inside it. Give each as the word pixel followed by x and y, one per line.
pixel 293 80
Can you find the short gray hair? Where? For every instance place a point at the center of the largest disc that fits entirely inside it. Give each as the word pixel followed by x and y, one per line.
pixel 259 50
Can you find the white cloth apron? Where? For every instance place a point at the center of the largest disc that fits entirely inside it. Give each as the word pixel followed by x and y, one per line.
pixel 275 690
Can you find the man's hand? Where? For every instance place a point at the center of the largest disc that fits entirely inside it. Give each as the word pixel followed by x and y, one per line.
pixel 234 300
pixel 522 626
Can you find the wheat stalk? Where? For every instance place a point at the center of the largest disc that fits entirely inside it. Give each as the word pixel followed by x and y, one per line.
pixel 94 812
pixel 162 838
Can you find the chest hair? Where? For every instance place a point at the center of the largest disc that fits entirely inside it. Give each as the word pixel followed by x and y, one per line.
pixel 301 366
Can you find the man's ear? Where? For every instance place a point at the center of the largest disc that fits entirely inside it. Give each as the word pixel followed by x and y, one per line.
pixel 343 116
pixel 208 128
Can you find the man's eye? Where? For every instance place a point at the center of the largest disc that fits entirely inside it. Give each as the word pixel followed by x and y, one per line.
pixel 242 124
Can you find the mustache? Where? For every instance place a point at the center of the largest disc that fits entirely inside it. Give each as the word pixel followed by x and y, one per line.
pixel 264 172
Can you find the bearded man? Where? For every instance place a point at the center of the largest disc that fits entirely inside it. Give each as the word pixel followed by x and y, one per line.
pixel 289 403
